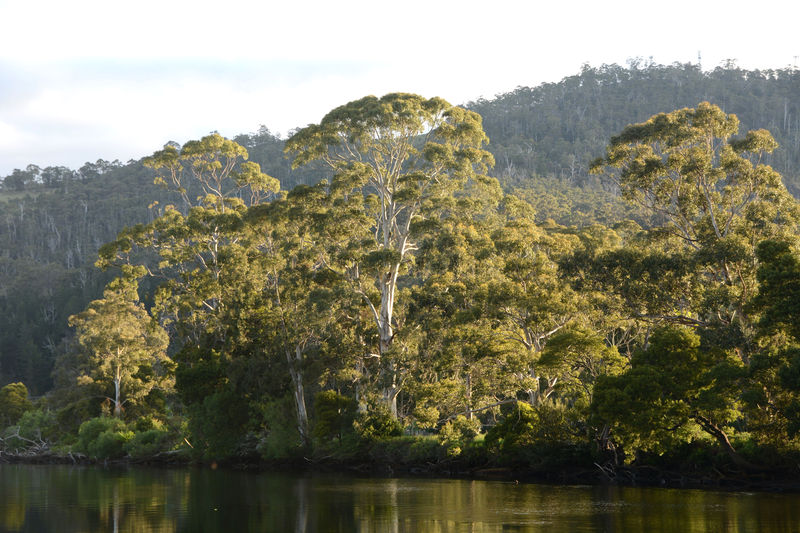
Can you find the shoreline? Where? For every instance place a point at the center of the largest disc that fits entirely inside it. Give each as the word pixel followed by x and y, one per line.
pixel 624 476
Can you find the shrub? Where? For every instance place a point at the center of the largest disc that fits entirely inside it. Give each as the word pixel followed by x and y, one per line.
pixel 38 425
pixel 103 437
pixel 405 450
pixel 456 433
pixel 536 435
pixel 148 443
pixel 334 416
pixel 110 444
pixel 377 423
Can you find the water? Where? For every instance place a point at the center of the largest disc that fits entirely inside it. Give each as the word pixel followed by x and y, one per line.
pixel 82 499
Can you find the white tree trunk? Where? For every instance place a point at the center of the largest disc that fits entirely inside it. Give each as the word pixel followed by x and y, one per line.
pixel 298 392
pixel 117 388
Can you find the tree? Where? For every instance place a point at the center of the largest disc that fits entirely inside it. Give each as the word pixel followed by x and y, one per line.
pixel 19 180
pixel 14 403
pixel 779 288
pixel 709 190
pixel 408 154
pixel 215 165
pixel 298 300
pixel 125 347
pixel 208 290
pixel 530 302
pixel 774 385
pixel 670 389
pixel 190 241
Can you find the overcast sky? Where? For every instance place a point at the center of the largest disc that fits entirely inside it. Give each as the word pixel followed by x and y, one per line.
pixel 83 80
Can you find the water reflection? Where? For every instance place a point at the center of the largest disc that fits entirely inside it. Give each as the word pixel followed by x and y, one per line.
pixel 75 499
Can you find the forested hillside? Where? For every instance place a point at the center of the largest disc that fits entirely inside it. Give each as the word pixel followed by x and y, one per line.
pixel 557 129
pixel 613 274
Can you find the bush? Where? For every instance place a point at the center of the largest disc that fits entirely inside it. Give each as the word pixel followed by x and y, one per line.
pixel 377 423
pixel 110 444
pixel 148 443
pixel 405 450
pixel 103 437
pixel 38 425
pixel 527 428
pixel 334 416
pixel 455 434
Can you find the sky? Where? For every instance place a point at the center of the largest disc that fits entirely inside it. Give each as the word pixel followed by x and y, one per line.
pixel 84 80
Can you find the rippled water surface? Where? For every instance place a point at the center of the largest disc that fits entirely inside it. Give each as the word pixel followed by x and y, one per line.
pixel 79 499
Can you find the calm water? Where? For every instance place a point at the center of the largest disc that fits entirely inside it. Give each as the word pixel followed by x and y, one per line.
pixel 78 499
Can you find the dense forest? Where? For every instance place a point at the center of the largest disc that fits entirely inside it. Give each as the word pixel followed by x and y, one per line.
pixel 612 278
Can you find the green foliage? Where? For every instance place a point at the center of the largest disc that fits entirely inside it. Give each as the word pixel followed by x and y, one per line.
pixel 535 434
pixel 709 190
pixel 39 425
pixel 126 348
pixel 14 403
pixel 779 288
pixel 103 437
pixel 410 279
pixel 376 423
pixel 406 450
pixel 426 417
pixel 35 428
pixel 334 416
pixel 280 439
pixel 218 425
pixel 402 157
pixel 526 425
pixel 457 433
pixel 149 443
pixel 673 389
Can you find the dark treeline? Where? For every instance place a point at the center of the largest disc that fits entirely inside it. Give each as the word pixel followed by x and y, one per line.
pixel 379 280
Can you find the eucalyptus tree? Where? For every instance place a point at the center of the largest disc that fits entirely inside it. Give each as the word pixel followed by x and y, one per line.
pixel 673 388
pixel 198 256
pixel 530 301
pixel 460 359
pixel 189 241
pixel 407 155
pixel 214 166
pixel 300 300
pixel 709 190
pixel 125 346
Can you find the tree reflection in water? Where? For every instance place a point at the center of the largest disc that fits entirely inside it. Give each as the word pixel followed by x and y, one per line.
pixel 78 499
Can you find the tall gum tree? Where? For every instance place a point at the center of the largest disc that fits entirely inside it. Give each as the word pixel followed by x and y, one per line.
pixel 190 238
pixel 712 191
pixel 299 298
pixel 407 155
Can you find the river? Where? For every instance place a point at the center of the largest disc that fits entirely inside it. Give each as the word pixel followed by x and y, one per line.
pixel 69 499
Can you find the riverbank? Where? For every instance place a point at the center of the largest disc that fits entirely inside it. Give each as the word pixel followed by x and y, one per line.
pixel 713 478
